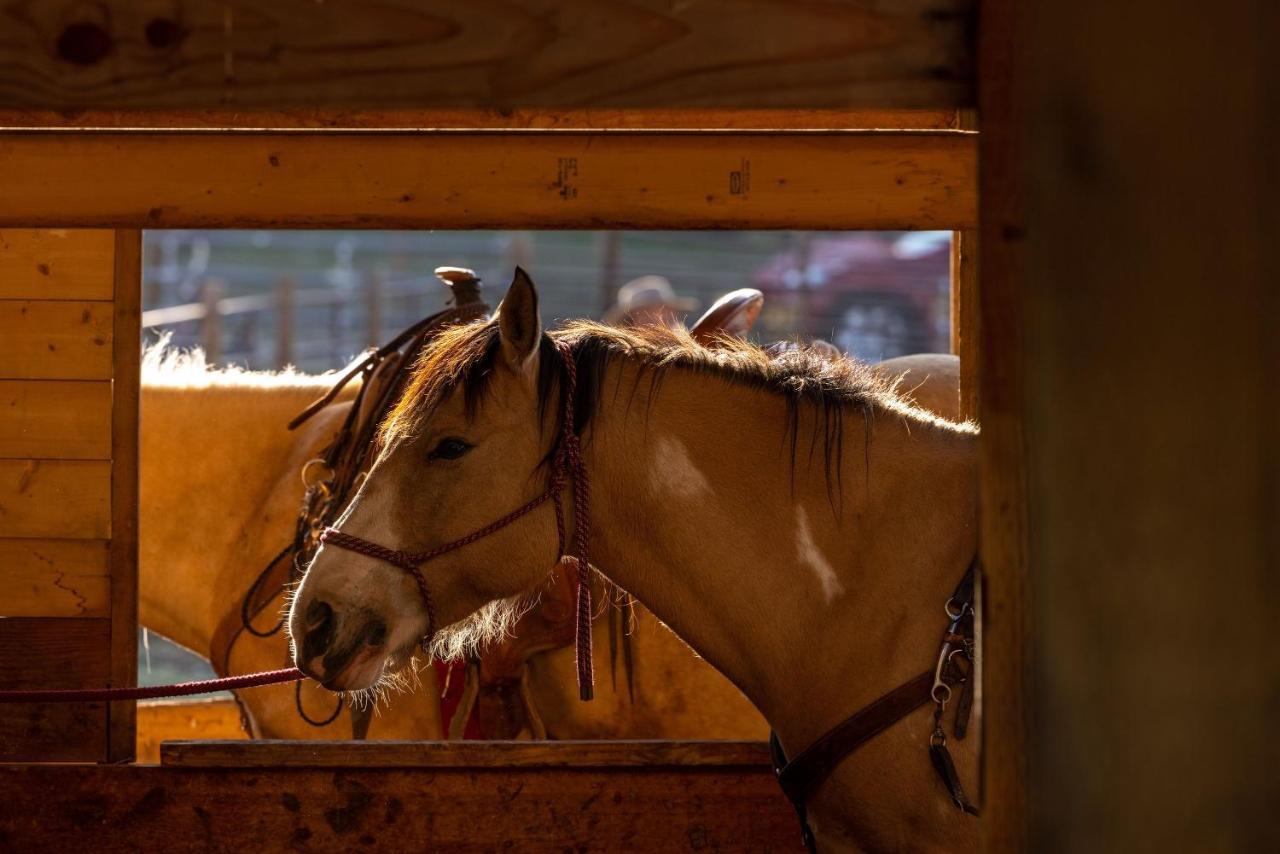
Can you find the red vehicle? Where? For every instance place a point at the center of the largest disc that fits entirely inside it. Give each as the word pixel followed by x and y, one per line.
pixel 874 295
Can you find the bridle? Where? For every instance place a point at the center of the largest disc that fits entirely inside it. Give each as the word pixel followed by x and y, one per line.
pixel 567 466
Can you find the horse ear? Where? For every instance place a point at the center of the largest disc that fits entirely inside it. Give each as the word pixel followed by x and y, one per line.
pixel 519 324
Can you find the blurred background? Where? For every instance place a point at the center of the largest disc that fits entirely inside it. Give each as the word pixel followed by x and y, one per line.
pixel 314 299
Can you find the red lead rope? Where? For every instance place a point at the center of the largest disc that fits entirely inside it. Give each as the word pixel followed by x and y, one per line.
pixel 151 692
pixel 568 465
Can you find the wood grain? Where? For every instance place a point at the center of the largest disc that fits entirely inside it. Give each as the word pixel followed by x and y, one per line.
pixel 520 119
pixel 55 498
pixel 463 53
pixel 888 180
pixel 126 397
pixel 55 578
pixel 128 809
pixel 165 720
pixel 1150 313
pixel 55 339
pixel 463 754
pixel 52 419
pixel 1007 699
pixel 72 264
pixel 52 653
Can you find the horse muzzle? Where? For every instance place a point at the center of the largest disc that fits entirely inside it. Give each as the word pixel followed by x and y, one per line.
pixel 342 653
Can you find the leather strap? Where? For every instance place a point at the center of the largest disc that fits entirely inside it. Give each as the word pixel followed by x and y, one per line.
pixel 800 776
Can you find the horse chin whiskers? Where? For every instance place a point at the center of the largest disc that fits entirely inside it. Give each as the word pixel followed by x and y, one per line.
pixel 491 622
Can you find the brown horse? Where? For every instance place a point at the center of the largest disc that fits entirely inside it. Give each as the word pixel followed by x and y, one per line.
pixel 794 519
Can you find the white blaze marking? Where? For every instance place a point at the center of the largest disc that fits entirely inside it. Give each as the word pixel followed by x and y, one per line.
pixel 674 472
pixel 811 556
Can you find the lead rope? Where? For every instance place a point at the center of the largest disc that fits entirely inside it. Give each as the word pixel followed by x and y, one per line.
pixel 568 464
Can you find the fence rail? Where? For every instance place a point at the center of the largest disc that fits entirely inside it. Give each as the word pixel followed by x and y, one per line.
pixel 285 301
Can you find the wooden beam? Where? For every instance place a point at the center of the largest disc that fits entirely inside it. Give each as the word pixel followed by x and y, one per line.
pixel 711 118
pixel 1006 607
pixel 55 578
pixel 140 808
pixel 125 399
pixel 466 754
pixel 1129 295
pixel 165 720
pixel 71 264
pixel 500 56
pixel 877 180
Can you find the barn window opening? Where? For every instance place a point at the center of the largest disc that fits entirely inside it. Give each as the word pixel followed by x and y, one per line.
pixel 263 300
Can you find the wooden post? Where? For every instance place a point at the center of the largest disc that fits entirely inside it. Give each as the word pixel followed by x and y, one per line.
pixel 125 398
pixel 610 256
pixel 1006 606
pixel 373 294
pixel 966 332
pixel 211 294
pixel 286 318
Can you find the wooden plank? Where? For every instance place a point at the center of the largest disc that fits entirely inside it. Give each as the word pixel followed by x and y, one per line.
pixel 165 720
pixel 139 808
pixel 52 653
pixel 454 53
pixel 50 419
pixel 40 263
pixel 126 395
pixel 55 340
pixel 1142 389
pixel 55 578
pixel 520 119
pixel 264 753
pixel 1006 606
pixel 55 498
pixel 886 180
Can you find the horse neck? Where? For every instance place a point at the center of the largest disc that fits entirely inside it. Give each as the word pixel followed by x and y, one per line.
pixel 219 486
pixel 813 598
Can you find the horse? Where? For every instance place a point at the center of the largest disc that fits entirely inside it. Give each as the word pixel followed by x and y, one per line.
pixel 219 491
pixel 794 519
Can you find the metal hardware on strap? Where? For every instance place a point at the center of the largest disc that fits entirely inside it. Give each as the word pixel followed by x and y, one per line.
pixel 801 776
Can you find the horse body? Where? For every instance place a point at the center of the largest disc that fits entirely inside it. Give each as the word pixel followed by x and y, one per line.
pixel 796 522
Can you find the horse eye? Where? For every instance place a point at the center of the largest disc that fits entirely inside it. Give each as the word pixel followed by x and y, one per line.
pixel 450 448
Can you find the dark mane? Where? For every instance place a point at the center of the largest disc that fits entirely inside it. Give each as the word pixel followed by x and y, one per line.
pixel 463 358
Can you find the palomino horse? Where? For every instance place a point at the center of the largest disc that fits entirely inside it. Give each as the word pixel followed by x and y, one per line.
pixel 792 518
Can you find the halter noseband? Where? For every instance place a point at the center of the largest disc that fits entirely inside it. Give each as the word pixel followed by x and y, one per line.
pixel 567 465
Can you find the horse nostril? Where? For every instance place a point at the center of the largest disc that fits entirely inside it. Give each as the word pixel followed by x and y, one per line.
pixel 376 634
pixel 318 615
pixel 320 628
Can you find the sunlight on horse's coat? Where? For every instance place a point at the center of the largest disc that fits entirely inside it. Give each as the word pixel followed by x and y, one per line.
pixel 674 473
pixel 810 555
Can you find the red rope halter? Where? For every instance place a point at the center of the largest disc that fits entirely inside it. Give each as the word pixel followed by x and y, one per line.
pixel 567 465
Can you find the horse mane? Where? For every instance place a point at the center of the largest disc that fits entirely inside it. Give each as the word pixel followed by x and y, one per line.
pixel 169 367
pixel 463 358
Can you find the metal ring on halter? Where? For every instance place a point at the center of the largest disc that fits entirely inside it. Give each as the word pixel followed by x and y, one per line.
pixel 946 696
pixel 954 612
pixel 307 468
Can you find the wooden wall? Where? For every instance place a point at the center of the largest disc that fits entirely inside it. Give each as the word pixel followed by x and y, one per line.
pixel 68 485
pixel 194 54
pixel 1131 424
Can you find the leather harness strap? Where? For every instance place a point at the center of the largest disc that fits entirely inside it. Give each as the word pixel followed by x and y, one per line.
pixel 800 777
